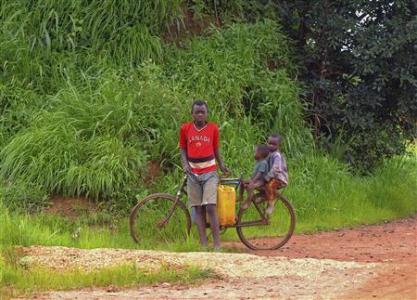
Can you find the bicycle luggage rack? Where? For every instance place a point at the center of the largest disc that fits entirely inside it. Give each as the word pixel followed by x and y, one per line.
pixel 231 181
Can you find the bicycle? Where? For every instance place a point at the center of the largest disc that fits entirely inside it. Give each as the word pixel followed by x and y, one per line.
pixel 170 216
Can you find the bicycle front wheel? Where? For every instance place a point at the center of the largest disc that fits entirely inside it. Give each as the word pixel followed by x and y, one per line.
pixel 271 236
pixel 150 224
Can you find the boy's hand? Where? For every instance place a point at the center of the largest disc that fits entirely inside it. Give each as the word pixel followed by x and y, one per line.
pixel 247 183
pixel 251 185
pixel 224 169
pixel 187 168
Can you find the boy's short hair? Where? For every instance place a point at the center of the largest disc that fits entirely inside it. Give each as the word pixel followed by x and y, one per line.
pixel 276 136
pixel 199 102
pixel 263 150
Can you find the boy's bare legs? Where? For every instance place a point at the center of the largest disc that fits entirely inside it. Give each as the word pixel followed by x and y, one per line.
pixel 271 206
pixel 271 188
pixel 246 204
pixel 200 221
pixel 214 224
pixel 250 191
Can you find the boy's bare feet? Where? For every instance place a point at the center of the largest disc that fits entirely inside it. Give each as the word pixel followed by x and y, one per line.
pixel 217 249
pixel 270 209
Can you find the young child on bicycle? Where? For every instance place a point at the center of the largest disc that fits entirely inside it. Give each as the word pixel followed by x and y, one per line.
pixel 260 170
pixel 277 176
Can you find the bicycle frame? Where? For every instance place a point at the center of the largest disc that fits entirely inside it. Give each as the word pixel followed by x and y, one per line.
pixel 227 181
pixel 245 218
pixel 181 190
pixel 264 220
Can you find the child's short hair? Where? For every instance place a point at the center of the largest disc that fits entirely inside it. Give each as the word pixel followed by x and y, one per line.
pixel 276 136
pixel 263 150
pixel 199 103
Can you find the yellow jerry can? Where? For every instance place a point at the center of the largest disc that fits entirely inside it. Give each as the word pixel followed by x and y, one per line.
pixel 226 203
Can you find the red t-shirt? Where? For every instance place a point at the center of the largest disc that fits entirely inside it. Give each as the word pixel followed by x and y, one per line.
pixel 200 145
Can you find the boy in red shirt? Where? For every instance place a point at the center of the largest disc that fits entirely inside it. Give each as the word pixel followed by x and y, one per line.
pixel 199 148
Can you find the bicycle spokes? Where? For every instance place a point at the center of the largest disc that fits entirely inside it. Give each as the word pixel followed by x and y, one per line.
pixel 155 220
pixel 259 232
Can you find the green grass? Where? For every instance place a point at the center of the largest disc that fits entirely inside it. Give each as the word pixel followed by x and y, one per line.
pixel 99 129
pixel 89 94
pixel 325 195
pixel 50 230
pixel 18 281
pixel 336 199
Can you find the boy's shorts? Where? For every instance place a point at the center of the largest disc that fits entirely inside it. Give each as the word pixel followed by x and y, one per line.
pixel 202 189
pixel 271 188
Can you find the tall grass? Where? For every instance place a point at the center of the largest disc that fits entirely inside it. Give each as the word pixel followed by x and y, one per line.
pixel 327 196
pixel 323 193
pixel 96 135
pixel 89 94
pixel 231 69
pixel 42 44
pixel 50 230
pixel 124 29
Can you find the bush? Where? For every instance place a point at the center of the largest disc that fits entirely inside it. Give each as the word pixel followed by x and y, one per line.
pixel 358 69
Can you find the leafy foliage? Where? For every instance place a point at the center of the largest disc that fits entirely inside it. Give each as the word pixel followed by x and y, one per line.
pixel 359 71
pixel 90 93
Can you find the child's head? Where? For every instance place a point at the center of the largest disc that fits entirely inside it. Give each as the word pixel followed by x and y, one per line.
pixel 274 142
pixel 199 111
pixel 261 152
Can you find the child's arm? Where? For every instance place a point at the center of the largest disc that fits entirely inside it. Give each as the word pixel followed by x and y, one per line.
pixel 216 143
pixel 275 169
pixel 182 143
pixel 258 177
pixel 220 161
pixel 184 160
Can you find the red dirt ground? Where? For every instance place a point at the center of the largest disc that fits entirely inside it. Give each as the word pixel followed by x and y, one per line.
pixel 391 243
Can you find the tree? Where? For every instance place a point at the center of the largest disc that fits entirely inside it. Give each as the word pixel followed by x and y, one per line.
pixel 359 69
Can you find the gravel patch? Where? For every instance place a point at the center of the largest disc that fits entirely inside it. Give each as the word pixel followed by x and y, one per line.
pixel 227 265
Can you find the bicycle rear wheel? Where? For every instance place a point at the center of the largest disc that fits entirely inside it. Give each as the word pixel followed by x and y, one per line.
pixel 146 221
pixel 266 236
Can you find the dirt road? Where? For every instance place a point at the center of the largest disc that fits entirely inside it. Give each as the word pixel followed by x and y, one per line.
pixel 392 244
pixel 370 262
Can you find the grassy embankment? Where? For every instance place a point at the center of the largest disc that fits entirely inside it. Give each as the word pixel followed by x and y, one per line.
pixel 80 118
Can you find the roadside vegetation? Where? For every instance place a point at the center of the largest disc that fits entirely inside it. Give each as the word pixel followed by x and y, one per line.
pixel 92 95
